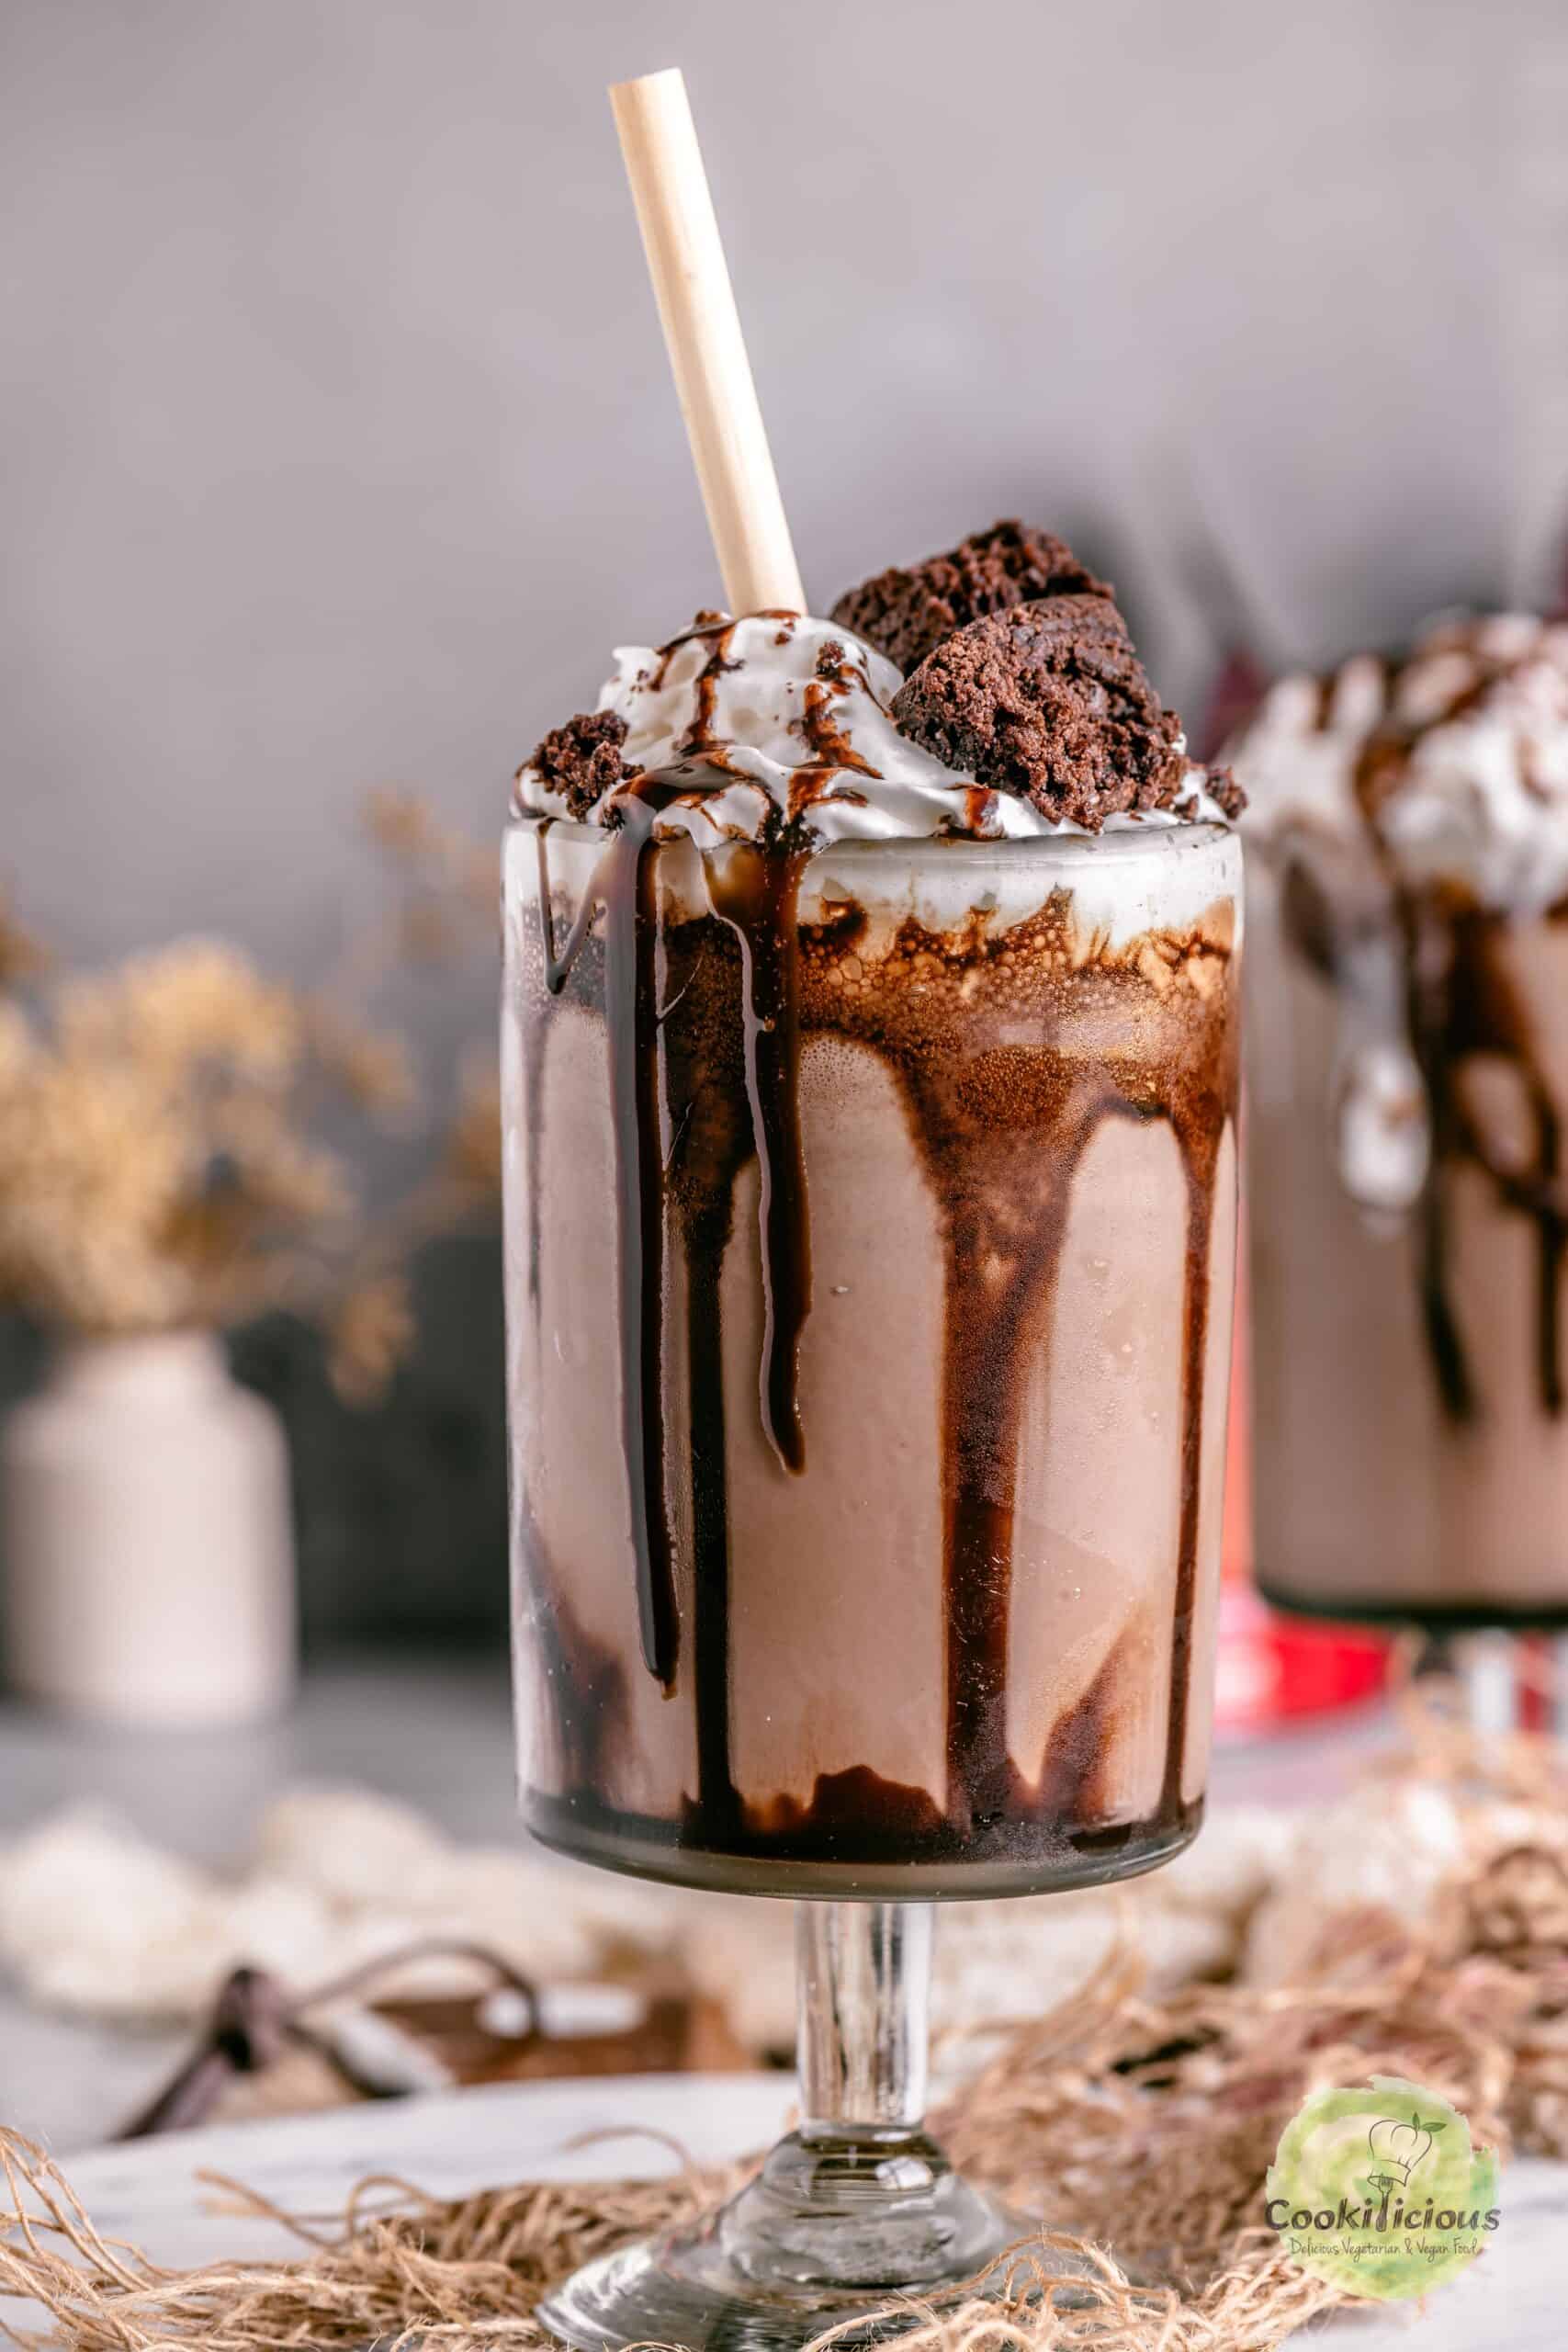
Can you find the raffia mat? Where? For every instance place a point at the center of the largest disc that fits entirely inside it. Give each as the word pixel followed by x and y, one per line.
pixel 1145 2124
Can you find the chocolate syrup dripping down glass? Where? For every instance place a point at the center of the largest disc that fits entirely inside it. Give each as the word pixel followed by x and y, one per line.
pixel 1461 1002
pixel 986 1350
pixel 710 1133
pixel 1198 1144
pixel 718 1800
pixel 624 885
pixel 1002 1136
pixel 989 1344
pixel 1464 1003
pixel 756 891
pixel 1451 1368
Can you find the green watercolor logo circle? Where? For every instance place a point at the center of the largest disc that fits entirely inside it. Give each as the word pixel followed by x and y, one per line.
pixel 1378 2191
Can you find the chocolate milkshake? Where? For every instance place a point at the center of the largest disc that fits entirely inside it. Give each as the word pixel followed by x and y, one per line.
pixel 1408 1089
pixel 870 1061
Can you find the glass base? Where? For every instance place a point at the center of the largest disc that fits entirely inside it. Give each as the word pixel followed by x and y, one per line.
pixel 877 2228
pixel 646 1849
pixel 1431 1613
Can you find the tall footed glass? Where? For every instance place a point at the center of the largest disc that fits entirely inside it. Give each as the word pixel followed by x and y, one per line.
pixel 1408 1096
pixel 871 1226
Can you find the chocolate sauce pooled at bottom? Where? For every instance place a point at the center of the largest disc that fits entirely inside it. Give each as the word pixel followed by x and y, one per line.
pixel 897 1652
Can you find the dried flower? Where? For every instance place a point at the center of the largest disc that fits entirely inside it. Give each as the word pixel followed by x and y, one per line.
pixel 15 1043
pixel 463 876
pixel 157 1163
pixel 429 932
pixel 401 823
pixel 198 1001
pixel 368 1336
pixel 92 1168
pixel 152 1171
pixel 278 1171
pixel 372 1066
pixel 480 882
pixel 473 1143
pixel 21 957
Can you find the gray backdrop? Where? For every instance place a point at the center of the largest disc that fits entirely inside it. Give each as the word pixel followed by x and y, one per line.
pixel 339 443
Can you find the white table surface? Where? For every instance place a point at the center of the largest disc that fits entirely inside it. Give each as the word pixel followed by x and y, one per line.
pixel 438 1736
pixel 151 2194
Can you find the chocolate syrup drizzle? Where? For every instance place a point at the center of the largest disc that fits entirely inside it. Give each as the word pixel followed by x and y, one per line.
pixel 1462 1002
pixel 1001 1127
pixel 755 892
pixel 998 1215
pixel 625 886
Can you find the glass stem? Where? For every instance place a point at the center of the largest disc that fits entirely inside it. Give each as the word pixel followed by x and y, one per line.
pixel 1480 1672
pixel 852 2213
pixel 863 1991
pixel 857 2200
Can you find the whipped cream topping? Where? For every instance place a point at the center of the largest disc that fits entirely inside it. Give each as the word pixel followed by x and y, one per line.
pixel 781 719
pixel 1453 762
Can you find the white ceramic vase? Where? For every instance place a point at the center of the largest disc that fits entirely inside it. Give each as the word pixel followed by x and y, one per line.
pixel 146 1537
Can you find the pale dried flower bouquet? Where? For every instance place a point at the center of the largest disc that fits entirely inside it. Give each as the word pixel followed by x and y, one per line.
pixel 162 1164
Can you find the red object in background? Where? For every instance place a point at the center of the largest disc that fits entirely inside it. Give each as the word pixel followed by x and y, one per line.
pixel 1274 1668
pixel 1535 1681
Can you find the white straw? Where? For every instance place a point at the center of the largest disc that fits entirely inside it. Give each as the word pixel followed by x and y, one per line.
pixel 707 351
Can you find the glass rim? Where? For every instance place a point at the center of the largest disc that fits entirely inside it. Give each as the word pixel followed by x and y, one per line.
pixel 1120 844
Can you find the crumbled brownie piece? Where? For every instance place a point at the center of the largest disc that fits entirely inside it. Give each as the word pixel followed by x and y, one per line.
pixel 1050 702
pixel 1220 786
pixel 582 761
pixel 829 658
pixel 906 615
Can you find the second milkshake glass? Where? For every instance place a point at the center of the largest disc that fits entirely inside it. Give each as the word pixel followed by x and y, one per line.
pixel 870 1246
pixel 1407 1107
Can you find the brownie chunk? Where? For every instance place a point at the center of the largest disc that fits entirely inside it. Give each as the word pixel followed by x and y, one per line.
pixel 1048 701
pixel 1221 785
pixel 582 761
pixel 906 615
